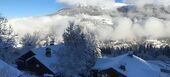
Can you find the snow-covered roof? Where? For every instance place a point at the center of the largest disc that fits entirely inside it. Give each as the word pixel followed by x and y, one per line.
pixel 42 50
pixel 7 70
pixel 49 62
pixel 135 66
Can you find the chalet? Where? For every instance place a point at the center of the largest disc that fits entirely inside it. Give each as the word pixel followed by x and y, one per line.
pixel 110 72
pixel 40 60
pixel 127 65
pixel 9 71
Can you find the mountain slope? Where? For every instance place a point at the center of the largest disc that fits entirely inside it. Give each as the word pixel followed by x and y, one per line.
pixel 128 23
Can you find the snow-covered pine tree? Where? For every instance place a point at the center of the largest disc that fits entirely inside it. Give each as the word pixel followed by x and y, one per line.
pixel 7 39
pixel 79 53
pixel 30 41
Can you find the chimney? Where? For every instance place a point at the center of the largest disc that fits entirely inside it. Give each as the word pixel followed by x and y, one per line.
pixel 52 41
pixel 48 52
pixel 130 53
pixel 122 67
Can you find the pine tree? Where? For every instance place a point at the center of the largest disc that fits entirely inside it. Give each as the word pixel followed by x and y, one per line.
pixel 7 39
pixel 79 52
pixel 30 41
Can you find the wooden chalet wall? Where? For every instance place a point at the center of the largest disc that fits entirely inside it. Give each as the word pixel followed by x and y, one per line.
pixel 106 73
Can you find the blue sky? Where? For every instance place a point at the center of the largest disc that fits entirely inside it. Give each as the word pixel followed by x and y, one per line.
pixel 24 8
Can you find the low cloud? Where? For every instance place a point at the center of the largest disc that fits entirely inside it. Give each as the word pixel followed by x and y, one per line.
pixel 104 27
pixel 42 24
